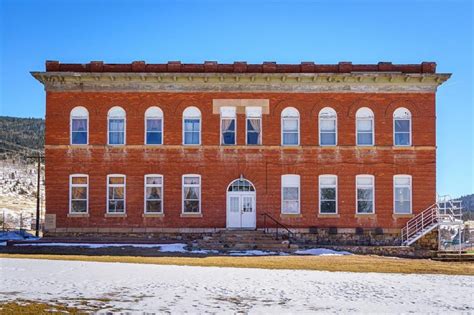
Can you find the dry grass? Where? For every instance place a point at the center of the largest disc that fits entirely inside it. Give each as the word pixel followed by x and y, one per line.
pixel 36 308
pixel 352 263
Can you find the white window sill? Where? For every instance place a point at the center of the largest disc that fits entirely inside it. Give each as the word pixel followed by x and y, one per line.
pixel 291 215
pixel 402 215
pixel 115 215
pixel 365 215
pixel 191 215
pixel 153 215
pixel 328 215
pixel 78 215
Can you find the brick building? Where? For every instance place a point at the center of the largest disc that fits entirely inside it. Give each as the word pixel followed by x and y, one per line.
pixel 198 147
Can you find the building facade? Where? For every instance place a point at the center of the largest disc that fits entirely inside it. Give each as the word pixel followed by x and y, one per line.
pixel 137 148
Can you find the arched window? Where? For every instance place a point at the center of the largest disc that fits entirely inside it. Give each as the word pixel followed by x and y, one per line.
pixel 154 125
pixel 290 126
pixel 365 126
pixel 116 126
pixel 79 122
pixel 241 184
pixel 402 127
pixel 327 127
pixel 192 126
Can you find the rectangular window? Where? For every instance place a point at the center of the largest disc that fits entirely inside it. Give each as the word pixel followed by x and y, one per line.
pixel 154 131
pixel 116 131
pixel 402 132
pixel 290 131
pixel 327 132
pixel 365 194
pixel 253 131
pixel 192 130
pixel 153 194
pixel 327 194
pixel 228 131
pixel 191 194
pixel 364 132
pixel 79 193
pixel 79 130
pixel 116 193
pixel 290 194
pixel 402 194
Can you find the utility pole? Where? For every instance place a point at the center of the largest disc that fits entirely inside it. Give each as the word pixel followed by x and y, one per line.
pixel 38 194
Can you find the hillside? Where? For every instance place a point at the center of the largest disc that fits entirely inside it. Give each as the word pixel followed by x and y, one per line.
pixel 20 136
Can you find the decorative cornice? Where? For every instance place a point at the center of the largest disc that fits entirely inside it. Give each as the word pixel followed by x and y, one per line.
pixel 354 82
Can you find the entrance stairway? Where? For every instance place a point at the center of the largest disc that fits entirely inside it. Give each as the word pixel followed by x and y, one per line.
pixel 446 212
pixel 244 240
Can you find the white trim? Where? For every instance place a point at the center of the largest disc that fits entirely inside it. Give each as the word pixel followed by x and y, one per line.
pixel 191 112
pixel 78 185
pixel 409 118
pixel 411 191
pixel 371 117
pixel 290 113
pixel 124 117
pixel 260 134
pixel 190 185
pixel 153 185
pixel 117 185
pixel 154 112
pixel 84 114
pixel 327 186
pixel 372 177
pixel 292 181
pixel 323 111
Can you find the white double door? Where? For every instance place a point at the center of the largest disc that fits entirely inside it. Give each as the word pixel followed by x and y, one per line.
pixel 241 210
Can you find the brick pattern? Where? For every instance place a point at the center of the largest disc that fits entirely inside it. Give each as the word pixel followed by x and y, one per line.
pixel 218 165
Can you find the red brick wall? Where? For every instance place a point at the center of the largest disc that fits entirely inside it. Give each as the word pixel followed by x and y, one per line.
pixel 218 166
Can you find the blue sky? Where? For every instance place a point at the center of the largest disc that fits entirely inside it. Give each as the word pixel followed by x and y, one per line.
pixel 252 31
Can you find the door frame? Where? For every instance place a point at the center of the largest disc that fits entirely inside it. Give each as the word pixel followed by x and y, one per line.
pixel 240 194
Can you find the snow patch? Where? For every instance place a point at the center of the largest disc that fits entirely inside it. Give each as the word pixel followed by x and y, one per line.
pixel 16 235
pixel 251 253
pixel 321 252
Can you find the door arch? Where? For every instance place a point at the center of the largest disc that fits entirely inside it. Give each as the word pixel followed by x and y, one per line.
pixel 241 205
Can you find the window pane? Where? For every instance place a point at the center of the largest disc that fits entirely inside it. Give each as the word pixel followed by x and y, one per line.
pixel 116 180
pixel 228 137
pixel 78 206
pixel 116 206
pixel 228 125
pixel 402 194
pixel 253 138
pixel 364 125
pixel 116 137
pixel 153 124
pixel 153 193
pixel 328 207
pixel 402 125
pixel 327 180
pixel 79 193
pixel 290 124
pixel 154 180
pixel 253 125
pixel 290 138
pixel 363 180
pixel 153 137
pixel 327 125
pixel 364 138
pixel 191 180
pixel 79 124
pixel 328 193
pixel 364 206
pixel 116 124
pixel 402 180
pixel 191 124
pixel 365 194
pixel 79 180
pixel 79 137
pixel 153 206
pixel 290 207
pixel 290 193
pixel 402 207
pixel 191 206
pixel 402 138
pixel 191 193
pixel 328 138
pixel 191 137
pixel 116 192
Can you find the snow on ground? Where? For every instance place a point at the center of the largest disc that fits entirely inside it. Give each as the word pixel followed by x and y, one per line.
pixel 16 235
pixel 179 289
pixel 321 252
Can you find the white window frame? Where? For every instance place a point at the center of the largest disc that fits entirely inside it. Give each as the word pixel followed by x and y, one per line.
pixel 124 126
pixel 151 116
pixel 372 119
pixel 190 185
pixel 286 115
pixel 328 186
pixel 72 116
pixel 71 185
pixel 228 117
pixel 186 116
pixel 372 177
pixel 411 192
pixel 410 118
pixel 323 111
pixel 290 177
pixel 124 192
pixel 253 113
pixel 146 185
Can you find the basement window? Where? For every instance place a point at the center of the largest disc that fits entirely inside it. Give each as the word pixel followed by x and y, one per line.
pixel 115 193
pixel 78 193
pixel 402 190
pixel 328 194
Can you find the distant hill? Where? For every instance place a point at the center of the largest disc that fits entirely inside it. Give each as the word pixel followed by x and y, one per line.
pixel 19 135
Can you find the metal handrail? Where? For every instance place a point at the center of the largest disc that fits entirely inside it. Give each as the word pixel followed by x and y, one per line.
pixel 279 224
